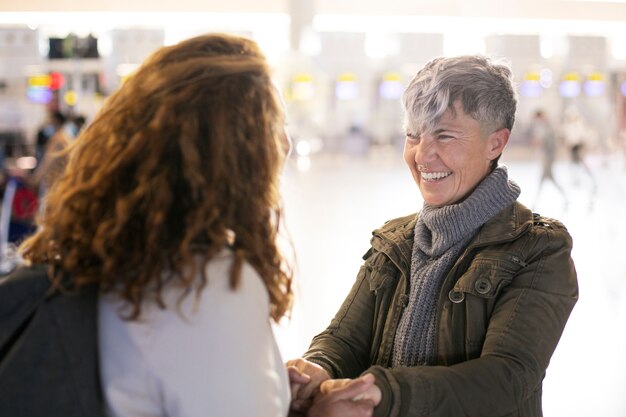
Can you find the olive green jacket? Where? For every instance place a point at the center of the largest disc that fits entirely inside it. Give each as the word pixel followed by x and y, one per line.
pixel 501 311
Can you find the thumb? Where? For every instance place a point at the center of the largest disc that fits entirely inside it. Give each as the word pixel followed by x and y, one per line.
pixel 352 389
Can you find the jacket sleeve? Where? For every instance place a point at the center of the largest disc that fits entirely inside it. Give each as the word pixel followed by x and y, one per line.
pixel 344 350
pixel 525 326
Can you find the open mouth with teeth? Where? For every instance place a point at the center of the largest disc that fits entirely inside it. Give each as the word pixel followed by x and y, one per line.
pixel 433 176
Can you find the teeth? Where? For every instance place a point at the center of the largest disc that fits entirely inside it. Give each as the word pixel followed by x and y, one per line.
pixel 430 176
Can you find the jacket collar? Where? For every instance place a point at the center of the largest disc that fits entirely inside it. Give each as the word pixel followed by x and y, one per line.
pixel 395 238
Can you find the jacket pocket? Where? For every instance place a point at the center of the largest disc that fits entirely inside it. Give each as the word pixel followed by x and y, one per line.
pixel 380 272
pixel 487 275
pixel 381 278
pixel 474 297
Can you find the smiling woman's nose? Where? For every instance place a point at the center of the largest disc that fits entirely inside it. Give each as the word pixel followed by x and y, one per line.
pixel 425 152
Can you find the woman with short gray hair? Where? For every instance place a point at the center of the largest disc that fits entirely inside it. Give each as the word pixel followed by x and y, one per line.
pixel 458 308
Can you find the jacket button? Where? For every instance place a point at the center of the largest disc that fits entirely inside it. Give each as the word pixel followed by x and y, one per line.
pixel 456 296
pixel 482 285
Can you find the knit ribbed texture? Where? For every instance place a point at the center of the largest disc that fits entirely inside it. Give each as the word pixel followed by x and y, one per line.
pixel 440 236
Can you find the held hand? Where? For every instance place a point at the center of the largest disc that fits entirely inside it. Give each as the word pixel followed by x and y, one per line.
pixel 296 380
pixel 341 398
pixel 372 393
pixel 304 379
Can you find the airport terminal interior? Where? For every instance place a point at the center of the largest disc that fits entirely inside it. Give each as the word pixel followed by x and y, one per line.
pixel 341 67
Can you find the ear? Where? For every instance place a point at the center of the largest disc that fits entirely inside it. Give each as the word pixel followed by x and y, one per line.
pixel 496 143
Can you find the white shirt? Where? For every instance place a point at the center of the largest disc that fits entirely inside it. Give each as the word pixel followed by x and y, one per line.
pixel 219 360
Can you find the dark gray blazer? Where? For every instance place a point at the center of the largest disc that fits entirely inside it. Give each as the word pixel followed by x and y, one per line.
pixel 48 348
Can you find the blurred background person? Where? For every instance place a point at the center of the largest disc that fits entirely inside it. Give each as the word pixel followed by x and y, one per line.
pixel 577 135
pixel 543 136
pixel 169 204
pixel 50 161
pixel 54 124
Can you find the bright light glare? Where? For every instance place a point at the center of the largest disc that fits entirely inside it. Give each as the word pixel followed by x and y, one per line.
pixel 545 78
pixel 105 44
pixel 100 22
pixel 461 25
pixel 303 163
pixel 303 90
pixel 546 47
pixel 26 162
pixel 461 44
pixel 274 43
pixel 380 45
pixel 310 42
pixel 303 148
pixel 618 47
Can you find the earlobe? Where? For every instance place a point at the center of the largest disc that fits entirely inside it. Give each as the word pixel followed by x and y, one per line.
pixel 497 141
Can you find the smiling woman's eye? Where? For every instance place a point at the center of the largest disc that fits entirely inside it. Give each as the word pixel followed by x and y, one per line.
pixel 412 136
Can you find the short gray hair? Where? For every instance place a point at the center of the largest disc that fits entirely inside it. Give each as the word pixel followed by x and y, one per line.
pixel 484 87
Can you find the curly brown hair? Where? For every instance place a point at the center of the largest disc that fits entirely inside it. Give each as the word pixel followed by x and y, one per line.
pixel 182 161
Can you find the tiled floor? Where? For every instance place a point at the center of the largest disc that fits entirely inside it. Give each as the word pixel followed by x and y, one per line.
pixel 331 208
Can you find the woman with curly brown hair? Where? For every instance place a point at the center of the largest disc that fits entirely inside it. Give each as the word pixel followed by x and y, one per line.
pixel 170 204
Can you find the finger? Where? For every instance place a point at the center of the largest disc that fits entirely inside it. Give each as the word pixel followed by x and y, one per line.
pixel 365 408
pixel 351 389
pixel 372 394
pixel 308 390
pixel 341 408
pixel 331 384
pixel 301 405
pixel 293 362
pixel 294 388
pixel 296 376
pixel 368 378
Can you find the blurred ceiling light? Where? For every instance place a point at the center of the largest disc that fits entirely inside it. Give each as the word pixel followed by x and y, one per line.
pixel 618 47
pixel 600 1
pixel 545 78
pixel 594 85
pixel 460 24
pixel 105 44
pixel 273 42
pixel 44 46
pixel 98 22
pixel 302 87
pixel 463 43
pixel 346 87
pixel 381 45
pixel 391 87
pixel 310 42
pixel 546 47
pixel 570 86
pixel 530 88
pixel 303 148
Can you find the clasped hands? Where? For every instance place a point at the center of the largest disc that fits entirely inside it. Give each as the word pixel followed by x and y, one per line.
pixel 315 394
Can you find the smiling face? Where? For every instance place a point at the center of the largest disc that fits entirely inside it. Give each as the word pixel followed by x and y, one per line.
pixel 448 162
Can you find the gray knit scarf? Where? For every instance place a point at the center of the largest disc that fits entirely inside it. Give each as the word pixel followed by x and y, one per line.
pixel 440 235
